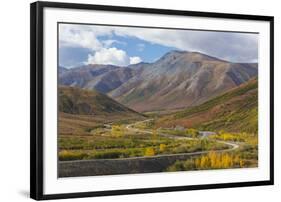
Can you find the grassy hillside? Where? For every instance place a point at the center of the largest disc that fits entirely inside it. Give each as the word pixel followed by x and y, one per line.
pixel 234 111
pixel 81 110
pixel 74 100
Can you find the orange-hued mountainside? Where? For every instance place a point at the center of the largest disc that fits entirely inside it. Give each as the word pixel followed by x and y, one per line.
pixel 177 80
pixel 235 111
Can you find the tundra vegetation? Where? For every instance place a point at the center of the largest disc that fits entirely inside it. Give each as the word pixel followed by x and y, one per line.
pixel 245 156
pixel 94 126
pixel 121 142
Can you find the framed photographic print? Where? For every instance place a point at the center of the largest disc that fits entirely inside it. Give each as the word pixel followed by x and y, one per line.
pixel 135 100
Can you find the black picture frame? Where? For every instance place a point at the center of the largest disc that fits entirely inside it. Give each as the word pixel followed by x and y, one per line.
pixel 36 99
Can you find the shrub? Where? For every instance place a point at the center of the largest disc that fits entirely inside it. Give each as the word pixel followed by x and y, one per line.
pixel 162 147
pixel 117 131
pixel 149 152
pixel 66 155
pixel 193 132
pixel 111 154
pixel 212 160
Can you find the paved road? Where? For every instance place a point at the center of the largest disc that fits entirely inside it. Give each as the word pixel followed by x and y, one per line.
pixel 146 164
pixel 132 128
pixel 204 134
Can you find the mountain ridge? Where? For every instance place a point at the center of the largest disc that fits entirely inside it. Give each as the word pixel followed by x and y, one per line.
pixel 178 79
pixel 181 80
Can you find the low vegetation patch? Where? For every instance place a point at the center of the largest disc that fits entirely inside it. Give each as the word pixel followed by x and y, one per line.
pixel 245 156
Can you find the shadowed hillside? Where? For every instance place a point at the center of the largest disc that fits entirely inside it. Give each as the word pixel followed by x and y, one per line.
pixel 82 110
pixel 74 100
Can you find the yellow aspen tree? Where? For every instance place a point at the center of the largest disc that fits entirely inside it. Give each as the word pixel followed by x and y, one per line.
pixel 149 152
pixel 213 159
pixel 241 163
pixel 204 162
pixel 197 163
pixel 227 161
pixel 231 161
pixel 218 163
pixel 223 161
pixel 236 159
pixel 162 147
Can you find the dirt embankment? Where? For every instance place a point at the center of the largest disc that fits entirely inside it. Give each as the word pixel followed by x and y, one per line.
pixel 117 166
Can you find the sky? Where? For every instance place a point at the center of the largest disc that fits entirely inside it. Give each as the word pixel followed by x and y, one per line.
pixel 81 44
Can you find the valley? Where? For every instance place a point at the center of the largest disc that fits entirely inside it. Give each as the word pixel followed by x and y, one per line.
pixel 186 111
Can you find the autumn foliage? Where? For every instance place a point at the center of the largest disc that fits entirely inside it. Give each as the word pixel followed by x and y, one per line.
pixel 212 160
pixel 149 152
pixel 117 131
pixel 218 160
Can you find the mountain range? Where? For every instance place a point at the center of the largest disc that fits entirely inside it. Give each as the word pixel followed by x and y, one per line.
pixel 178 79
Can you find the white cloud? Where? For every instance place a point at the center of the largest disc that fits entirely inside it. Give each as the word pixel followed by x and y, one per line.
pixel 78 36
pixel 112 56
pixel 82 36
pixel 238 47
pixel 135 60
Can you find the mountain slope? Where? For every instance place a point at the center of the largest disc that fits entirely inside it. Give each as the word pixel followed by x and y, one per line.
pixel 181 79
pixel 235 111
pixel 103 78
pixel 78 101
pixel 177 80
pixel 62 70
pixel 80 76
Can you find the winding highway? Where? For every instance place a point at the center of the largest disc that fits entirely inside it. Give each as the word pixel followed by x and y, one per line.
pixel 141 164
pixel 204 134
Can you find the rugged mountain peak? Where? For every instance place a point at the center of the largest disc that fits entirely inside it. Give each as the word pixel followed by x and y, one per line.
pixel 202 56
pixel 187 56
pixel 178 79
pixel 174 54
